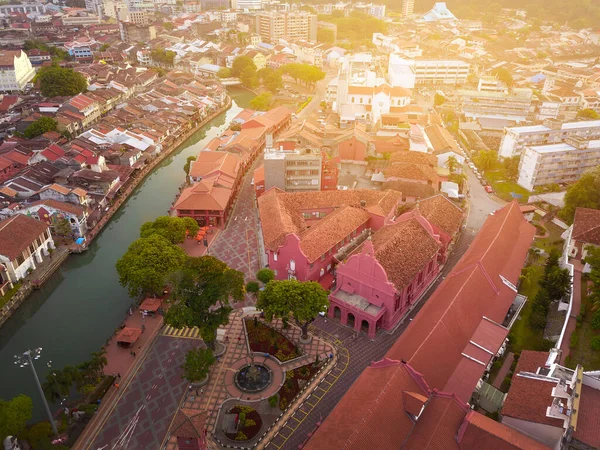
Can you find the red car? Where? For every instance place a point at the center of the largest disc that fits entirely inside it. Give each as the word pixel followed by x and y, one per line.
pixel 489 190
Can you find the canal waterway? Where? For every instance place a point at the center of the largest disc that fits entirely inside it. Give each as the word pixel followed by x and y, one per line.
pixel 82 304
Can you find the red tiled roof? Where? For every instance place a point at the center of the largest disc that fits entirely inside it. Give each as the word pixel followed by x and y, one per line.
pixel 586 226
pixel 588 430
pixel 17 233
pixel 204 195
pixel 61 206
pixel 529 398
pixel 411 171
pixel 440 211
pixel 216 162
pixel 481 432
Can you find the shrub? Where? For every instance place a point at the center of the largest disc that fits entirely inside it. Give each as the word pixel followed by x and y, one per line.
pixel 283 404
pixel 38 432
pixel 273 399
pixel 304 371
pixel 241 436
pixel 252 287
pixel 596 320
pixel 579 318
pixel 242 419
pixel 574 339
pixel 245 409
pixel 507 381
pixel 289 374
pixel 595 343
pixel 249 423
pixel 517 356
pixel 537 319
pixel 497 364
pixel 265 275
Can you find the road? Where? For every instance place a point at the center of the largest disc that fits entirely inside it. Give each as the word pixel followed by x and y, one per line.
pixel 481 204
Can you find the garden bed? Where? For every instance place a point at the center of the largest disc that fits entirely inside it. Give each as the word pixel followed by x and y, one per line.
pixel 295 380
pixel 264 339
pixel 581 351
pixel 252 420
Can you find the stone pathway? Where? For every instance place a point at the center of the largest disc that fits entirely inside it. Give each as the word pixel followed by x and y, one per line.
pixel 221 386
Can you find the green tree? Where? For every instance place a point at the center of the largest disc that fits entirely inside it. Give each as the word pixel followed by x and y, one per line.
pixel 593 259
pixel 171 228
pixel 273 82
pixel 188 165
pixel 240 63
pixel 104 47
pixel 224 72
pixel 14 415
pixel 303 300
pixel 162 56
pixel 511 166
pixel 304 73
pixel 98 362
pixel 203 289
pixel 38 433
pixel 452 164
pixel 585 193
pixel 503 75
pixel 551 261
pixel 557 283
pixel 262 102
pixel 486 159
pixel 168 26
pixel 325 36
pixel 56 386
pixel 248 78
pixel 56 81
pixel 265 275
pixel 588 114
pixel 197 364
pixel 146 263
pixel 438 99
pixel 253 287
pixel 61 227
pixel 39 127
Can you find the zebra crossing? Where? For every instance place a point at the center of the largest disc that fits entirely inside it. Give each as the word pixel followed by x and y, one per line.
pixel 190 333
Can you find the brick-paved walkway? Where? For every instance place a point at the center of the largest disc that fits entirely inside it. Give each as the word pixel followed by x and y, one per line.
pixel 237 245
pixel 220 386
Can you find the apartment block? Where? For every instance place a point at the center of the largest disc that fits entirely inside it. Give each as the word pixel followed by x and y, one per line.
pixel 408 8
pixel 131 32
pixel 557 163
pixel 407 73
pixel 514 105
pixel 15 70
pixel 27 8
pixel 293 171
pixel 552 131
pixel 273 26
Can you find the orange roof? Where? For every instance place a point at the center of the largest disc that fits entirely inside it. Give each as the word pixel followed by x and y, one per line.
pixel 586 225
pixel 61 206
pixel 259 174
pixel 215 162
pixel 204 195
pixel 129 335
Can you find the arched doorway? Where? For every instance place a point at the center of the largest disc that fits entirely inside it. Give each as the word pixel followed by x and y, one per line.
pixel 364 326
pixel 337 312
pixel 351 320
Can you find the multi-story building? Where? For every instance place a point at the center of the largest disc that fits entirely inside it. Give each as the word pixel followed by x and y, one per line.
pixel 81 50
pixel 408 8
pixel 81 20
pixel 250 5
pixel 116 10
pixel 293 170
pixel 557 163
pixel 26 8
pixel 371 9
pixel 552 131
pixel 514 105
pixel 208 5
pixel 136 33
pixel 94 6
pixel 273 26
pixel 15 70
pixel 141 18
pixel 407 73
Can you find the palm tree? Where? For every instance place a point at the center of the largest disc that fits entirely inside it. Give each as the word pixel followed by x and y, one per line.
pixel 460 179
pixel 452 164
pixel 526 275
pixel 534 254
pixel 98 362
pixel 58 384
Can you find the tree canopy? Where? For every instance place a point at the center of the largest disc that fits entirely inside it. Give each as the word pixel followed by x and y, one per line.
pixel 248 77
pixel 265 275
pixel 39 127
pixel 593 259
pixel 203 289
pixel 357 27
pixel 585 193
pixel 240 63
pixel 303 300
pixel 171 228
pixel 14 415
pixel 224 72
pixel 56 81
pixel 588 114
pixel 503 75
pixel 162 56
pixel 262 102
pixel 56 52
pixel 197 364
pixel 325 36
pixel 305 73
pixel 146 263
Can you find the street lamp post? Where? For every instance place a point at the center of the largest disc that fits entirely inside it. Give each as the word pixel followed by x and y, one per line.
pixel 26 359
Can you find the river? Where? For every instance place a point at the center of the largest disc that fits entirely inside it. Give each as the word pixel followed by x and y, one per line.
pixel 81 305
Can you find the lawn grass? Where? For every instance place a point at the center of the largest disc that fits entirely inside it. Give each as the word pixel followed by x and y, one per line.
pixel 524 337
pixel 552 240
pixel 503 187
pixel 583 353
pixel 6 298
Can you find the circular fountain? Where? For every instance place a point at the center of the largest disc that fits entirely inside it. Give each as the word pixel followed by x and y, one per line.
pixel 253 378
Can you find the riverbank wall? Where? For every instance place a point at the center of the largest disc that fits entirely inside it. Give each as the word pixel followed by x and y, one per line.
pixel 43 273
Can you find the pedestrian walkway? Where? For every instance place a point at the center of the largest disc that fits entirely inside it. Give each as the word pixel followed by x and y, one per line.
pixel 503 372
pixel 575 310
pixel 190 333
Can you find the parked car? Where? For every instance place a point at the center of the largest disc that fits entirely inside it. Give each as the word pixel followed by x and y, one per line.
pixel 489 189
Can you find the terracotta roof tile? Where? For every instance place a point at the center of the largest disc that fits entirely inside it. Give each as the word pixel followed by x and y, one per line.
pixel 17 233
pixel 586 226
pixel 62 206
pixel 481 432
pixel 587 422
pixel 528 399
pixel 440 211
pixel 410 188
pixel 412 171
pixel 415 157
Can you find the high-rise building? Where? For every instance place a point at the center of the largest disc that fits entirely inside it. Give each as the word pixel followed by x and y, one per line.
pixel 250 5
pixel 408 7
pixel 207 5
pixel 273 26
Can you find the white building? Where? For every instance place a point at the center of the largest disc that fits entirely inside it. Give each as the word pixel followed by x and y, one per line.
pixel 407 73
pixel 15 70
pixel 24 243
pixel 557 163
pixel 552 131
pixel 249 5
pixel 26 8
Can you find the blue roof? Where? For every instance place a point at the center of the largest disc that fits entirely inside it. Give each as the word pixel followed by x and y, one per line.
pixel 266 46
pixel 537 78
